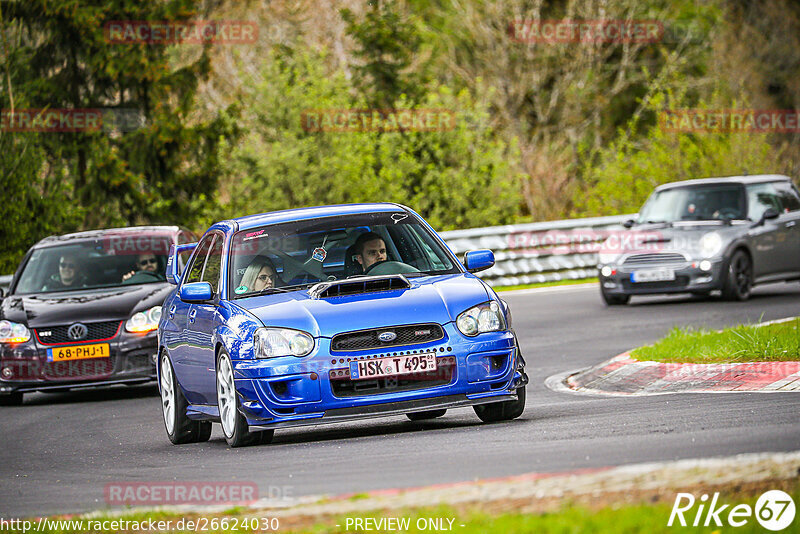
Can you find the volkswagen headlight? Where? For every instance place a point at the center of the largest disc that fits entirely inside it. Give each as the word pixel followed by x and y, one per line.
pixel 275 342
pixel 710 244
pixel 144 321
pixel 13 332
pixel 485 317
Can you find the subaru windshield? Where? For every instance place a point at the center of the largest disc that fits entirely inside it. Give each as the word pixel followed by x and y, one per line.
pixel 108 261
pixel 695 203
pixel 291 256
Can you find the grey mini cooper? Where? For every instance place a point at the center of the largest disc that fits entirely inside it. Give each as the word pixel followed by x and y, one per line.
pixel 697 236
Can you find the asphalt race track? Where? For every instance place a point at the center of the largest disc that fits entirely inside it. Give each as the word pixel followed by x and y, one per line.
pixel 58 451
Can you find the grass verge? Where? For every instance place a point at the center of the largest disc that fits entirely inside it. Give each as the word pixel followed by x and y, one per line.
pixel 547 284
pixel 746 343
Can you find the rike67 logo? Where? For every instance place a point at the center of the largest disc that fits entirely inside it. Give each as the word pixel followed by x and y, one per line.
pixel 774 510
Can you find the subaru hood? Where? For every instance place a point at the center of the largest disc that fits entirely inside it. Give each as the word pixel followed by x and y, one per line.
pixel 430 299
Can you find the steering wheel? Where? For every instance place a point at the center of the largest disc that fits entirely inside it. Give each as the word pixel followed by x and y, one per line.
pixel 729 213
pixel 390 267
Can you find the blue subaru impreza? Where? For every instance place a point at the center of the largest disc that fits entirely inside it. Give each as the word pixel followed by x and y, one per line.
pixel 335 313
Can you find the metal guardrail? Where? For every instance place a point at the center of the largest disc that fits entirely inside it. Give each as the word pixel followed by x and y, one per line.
pixel 538 252
pixel 529 253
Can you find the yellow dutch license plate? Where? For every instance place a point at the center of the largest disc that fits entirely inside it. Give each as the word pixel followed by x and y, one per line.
pixel 78 352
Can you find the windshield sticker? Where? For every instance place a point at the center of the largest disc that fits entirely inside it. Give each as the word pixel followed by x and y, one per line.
pixel 254 235
pixel 241 289
pixel 319 254
pixel 397 217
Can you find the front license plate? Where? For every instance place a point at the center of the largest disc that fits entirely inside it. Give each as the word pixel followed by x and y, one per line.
pixel 396 365
pixel 78 352
pixel 653 275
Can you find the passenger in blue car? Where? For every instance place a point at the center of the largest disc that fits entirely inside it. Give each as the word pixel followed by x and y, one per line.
pixel 259 275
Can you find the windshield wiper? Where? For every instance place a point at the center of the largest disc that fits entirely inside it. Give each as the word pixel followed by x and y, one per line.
pixel 273 290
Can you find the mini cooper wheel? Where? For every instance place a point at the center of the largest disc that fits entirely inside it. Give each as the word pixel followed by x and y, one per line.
pixel 180 429
pixel 422 416
pixel 502 411
pixel 739 277
pixel 234 424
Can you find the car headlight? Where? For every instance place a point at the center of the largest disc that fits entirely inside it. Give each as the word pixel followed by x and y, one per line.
pixel 144 321
pixel 710 244
pixel 275 342
pixel 13 332
pixel 485 317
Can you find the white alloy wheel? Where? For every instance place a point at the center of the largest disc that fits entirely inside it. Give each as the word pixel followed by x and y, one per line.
pixel 226 395
pixel 167 394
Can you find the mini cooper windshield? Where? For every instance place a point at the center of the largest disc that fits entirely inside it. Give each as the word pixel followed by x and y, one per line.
pixel 291 256
pixel 697 203
pixel 105 262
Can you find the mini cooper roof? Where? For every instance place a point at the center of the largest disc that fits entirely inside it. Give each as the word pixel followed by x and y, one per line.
pixel 90 235
pixel 744 180
pixel 252 221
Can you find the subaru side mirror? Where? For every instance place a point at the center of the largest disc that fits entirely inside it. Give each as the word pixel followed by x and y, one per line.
pixel 196 292
pixel 478 260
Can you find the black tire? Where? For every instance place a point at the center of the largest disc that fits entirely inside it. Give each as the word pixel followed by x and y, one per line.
pixel 422 416
pixel 738 282
pixel 502 411
pixel 234 424
pixel 615 300
pixel 12 399
pixel 180 429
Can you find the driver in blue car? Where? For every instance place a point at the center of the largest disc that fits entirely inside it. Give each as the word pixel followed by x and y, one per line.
pixel 370 249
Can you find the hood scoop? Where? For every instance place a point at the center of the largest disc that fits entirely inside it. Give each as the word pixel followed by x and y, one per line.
pixel 355 286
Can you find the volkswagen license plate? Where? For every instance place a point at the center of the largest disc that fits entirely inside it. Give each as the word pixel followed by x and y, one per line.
pixel 78 352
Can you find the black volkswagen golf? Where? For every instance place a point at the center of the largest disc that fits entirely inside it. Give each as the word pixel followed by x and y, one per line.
pixel 82 310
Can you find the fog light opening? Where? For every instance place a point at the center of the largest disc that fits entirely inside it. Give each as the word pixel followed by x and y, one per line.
pixel 8 372
pixel 705 265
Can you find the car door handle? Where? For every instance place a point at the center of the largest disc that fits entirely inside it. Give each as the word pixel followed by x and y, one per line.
pixel 172 311
pixel 790 224
pixel 192 315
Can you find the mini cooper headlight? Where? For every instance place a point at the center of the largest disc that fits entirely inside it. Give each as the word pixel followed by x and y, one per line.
pixel 710 244
pixel 274 342
pixel 144 321
pixel 485 317
pixel 13 332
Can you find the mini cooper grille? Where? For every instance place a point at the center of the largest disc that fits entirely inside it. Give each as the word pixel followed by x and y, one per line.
pixel 654 259
pixel 369 339
pixel 58 334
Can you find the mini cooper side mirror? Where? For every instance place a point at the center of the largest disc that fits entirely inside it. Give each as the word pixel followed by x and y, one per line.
pixel 769 214
pixel 196 292
pixel 629 223
pixel 478 260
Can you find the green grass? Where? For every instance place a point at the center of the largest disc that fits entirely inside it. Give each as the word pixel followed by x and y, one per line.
pixel 546 284
pixel 770 343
